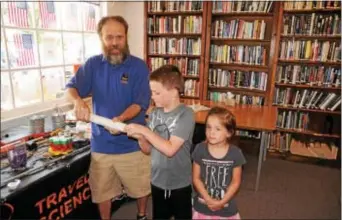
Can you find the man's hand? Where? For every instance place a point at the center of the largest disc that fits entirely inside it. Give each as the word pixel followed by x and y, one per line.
pixel 135 130
pixel 81 110
pixel 114 131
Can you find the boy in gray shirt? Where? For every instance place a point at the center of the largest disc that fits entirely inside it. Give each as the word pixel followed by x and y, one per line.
pixel 168 139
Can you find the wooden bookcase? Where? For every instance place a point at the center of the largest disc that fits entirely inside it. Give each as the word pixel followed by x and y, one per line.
pixel 302 69
pixel 231 26
pixel 166 11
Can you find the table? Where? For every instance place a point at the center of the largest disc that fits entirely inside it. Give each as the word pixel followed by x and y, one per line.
pixel 249 117
pixel 61 191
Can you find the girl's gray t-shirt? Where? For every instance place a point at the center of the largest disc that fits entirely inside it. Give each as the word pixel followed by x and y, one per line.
pixel 216 175
pixel 175 172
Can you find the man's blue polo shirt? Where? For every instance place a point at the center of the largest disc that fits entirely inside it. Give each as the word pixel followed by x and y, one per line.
pixel 113 88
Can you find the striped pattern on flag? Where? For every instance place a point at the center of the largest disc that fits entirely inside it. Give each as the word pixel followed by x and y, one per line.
pixel 47 13
pixel 18 14
pixel 90 19
pixel 24 45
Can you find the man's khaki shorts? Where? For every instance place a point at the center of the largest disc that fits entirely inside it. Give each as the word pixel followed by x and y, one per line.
pixel 108 173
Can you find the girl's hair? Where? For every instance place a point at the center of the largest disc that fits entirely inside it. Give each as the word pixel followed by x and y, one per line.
pixel 169 76
pixel 226 117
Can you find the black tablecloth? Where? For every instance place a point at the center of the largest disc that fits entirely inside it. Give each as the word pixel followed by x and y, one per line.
pixel 61 191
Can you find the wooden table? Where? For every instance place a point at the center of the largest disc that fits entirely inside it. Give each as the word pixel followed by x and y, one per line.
pixel 249 117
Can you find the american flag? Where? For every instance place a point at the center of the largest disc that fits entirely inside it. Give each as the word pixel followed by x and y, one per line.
pixel 90 19
pixel 24 44
pixel 18 14
pixel 47 13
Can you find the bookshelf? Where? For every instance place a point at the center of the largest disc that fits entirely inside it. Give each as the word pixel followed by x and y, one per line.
pixel 285 54
pixel 307 79
pixel 175 33
pixel 238 56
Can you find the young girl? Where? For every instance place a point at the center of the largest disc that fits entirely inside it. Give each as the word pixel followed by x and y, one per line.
pixel 168 138
pixel 217 167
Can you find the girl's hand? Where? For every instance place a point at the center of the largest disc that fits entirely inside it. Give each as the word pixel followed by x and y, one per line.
pixel 134 130
pixel 211 203
pixel 209 200
pixel 215 205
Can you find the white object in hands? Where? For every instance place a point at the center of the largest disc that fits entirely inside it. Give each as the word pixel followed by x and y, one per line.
pixel 107 122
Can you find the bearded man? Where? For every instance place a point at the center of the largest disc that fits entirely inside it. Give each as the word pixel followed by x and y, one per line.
pixel 119 85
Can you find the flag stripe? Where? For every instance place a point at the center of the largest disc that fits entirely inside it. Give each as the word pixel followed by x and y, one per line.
pixel 90 19
pixel 46 17
pixel 17 16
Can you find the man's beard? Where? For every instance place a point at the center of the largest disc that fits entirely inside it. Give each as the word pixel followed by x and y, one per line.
pixel 115 59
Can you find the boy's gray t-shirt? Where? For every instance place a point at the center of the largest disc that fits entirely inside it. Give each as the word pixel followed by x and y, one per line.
pixel 174 172
pixel 216 175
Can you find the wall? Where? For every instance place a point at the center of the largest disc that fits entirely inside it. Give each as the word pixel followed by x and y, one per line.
pixel 133 12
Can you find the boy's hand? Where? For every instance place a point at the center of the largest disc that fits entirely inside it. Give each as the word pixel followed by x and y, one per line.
pixel 114 131
pixel 136 136
pixel 134 130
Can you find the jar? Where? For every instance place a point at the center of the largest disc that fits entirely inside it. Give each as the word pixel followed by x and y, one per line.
pixel 17 157
pixel 37 124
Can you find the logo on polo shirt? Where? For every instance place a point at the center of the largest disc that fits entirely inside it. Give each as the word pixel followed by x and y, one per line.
pixel 124 78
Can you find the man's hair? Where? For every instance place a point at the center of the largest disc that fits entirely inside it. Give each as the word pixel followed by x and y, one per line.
pixel 226 117
pixel 104 20
pixel 169 76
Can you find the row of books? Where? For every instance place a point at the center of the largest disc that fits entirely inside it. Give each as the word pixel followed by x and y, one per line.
pixel 309 4
pixel 237 79
pixel 309 75
pixel 280 142
pixel 248 134
pixel 184 45
pixel 191 88
pixel 309 99
pixel 238 28
pixel 310 50
pixel 188 67
pixel 320 24
pixel 162 25
pixel 171 6
pixel 239 98
pixel 316 148
pixel 239 54
pixel 293 120
pixel 241 6
pixel 192 24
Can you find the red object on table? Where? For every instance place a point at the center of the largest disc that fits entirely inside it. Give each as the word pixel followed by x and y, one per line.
pixel 76 67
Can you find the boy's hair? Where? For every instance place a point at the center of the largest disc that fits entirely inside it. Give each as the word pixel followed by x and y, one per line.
pixel 169 76
pixel 226 117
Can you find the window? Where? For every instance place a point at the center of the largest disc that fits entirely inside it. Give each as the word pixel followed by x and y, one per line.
pixel 40 43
